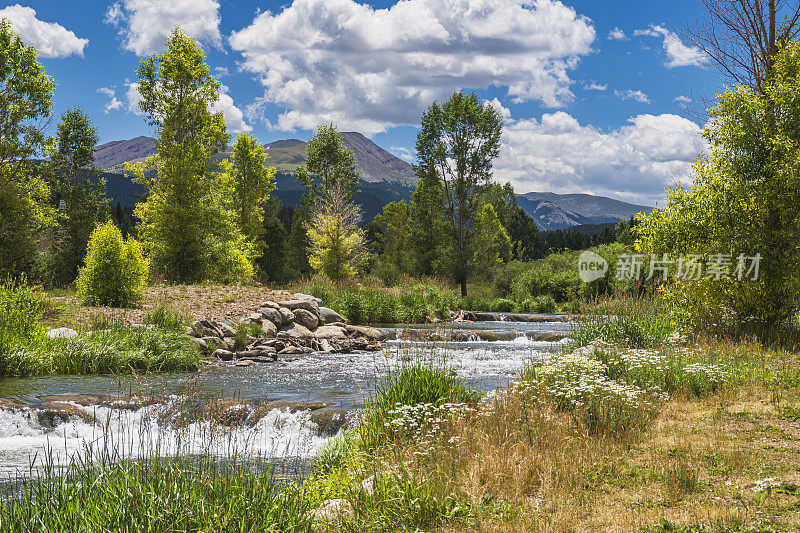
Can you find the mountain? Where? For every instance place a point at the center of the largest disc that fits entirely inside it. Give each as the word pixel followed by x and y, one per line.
pixel 373 162
pixel 559 211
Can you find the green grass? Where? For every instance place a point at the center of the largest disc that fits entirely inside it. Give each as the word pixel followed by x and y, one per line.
pixel 644 330
pixel 118 350
pixel 160 494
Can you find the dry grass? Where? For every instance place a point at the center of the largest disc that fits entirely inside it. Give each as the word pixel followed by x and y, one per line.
pixel 190 301
pixel 526 467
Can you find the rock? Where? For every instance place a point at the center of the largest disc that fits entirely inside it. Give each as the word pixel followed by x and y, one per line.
pixel 12 404
pixel 332 509
pixel 306 318
pixel 85 400
pixel 329 316
pixel 130 403
pixel 286 315
pixel 308 305
pixel 294 331
pixel 61 333
pixel 365 331
pixel 301 296
pixel 329 419
pixel 368 485
pixel 255 318
pixel 52 414
pixel 244 362
pixel 205 328
pixel 271 305
pixel 291 350
pixel 200 343
pixel 230 344
pixel 262 410
pixel 269 328
pixel 330 332
pixel 223 355
pixel 227 331
pixel 273 315
pixel 226 412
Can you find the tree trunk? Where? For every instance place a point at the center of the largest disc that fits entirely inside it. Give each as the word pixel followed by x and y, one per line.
pixel 463 286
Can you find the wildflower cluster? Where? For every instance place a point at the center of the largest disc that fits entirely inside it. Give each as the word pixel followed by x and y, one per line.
pixel 426 422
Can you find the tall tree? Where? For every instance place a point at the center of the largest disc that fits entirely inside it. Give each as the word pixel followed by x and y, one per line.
pixel 253 182
pixel 395 227
pixel 458 140
pixel 521 228
pixel 77 182
pixel 428 228
pixel 492 243
pixel 331 179
pixel 188 222
pixel 26 100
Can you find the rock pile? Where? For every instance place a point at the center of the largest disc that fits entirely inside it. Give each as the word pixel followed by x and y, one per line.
pixel 288 328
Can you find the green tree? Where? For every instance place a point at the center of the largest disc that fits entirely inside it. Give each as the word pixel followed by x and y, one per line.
pixel 521 228
pixel 274 265
pixel 742 201
pixel 188 222
pixel 26 97
pixel 428 228
pixel 395 228
pixel 331 179
pixel 77 183
pixel 253 182
pixel 491 241
pixel 458 140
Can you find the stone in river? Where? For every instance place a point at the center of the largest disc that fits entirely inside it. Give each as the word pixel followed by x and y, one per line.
pixel 329 419
pixel 12 404
pixel 308 305
pixel 223 355
pixel 269 328
pixel 85 400
pixel 306 318
pixel 273 315
pixel 330 332
pixel 294 331
pixel 52 414
pixel 329 316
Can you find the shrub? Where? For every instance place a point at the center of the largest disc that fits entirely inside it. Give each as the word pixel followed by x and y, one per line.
pixel 21 308
pixel 116 272
pixel 544 304
pixel 502 305
pixel 165 318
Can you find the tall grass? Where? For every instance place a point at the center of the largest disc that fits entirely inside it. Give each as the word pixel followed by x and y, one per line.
pixel 158 494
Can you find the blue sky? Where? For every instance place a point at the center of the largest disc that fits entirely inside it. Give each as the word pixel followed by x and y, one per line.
pixel 599 97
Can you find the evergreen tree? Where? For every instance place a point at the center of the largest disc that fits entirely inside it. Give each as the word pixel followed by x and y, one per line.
pixel 26 98
pixel 188 222
pixel 521 228
pixel 458 140
pixel 272 265
pixel 76 180
pixel 395 230
pixel 428 230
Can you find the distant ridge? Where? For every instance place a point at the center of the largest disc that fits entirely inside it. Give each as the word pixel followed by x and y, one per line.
pixel 373 162
pixel 560 211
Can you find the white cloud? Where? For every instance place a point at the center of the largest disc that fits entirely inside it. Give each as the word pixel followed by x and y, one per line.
pixel 234 118
pixel 113 103
pixel 146 24
pixel 678 54
pixel 370 69
pixel 403 153
pixel 134 97
pixel 504 111
pixel 594 86
pixel 630 94
pixel 49 38
pixel 636 161
pixel 617 35
pixel 221 72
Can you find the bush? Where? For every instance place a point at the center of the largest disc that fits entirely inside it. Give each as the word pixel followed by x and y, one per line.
pixel 544 304
pixel 502 305
pixel 116 272
pixel 21 308
pixel 165 318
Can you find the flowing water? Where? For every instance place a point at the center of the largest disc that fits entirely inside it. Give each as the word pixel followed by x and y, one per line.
pixel 341 379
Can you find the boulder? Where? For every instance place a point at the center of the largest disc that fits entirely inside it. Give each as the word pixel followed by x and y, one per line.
pixel 254 318
pixel 286 315
pixel 244 362
pixel 270 329
pixel 294 331
pixel 331 510
pixel 200 343
pixel 271 305
pixel 301 296
pixel 212 343
pixel 308 305
pixel 61 333
pixel 226 412
pixel 205 328
pixel 223 355
pixel 229 343
pixel 330 332
pixel 85 400
pixel 51 414
pixel 131 402
pixel 306 318
pixel 291 350
pixel 227 331
pixel 329 419
pixel 365 331
pixel 329 316
pixel 273 315
pixel 292 406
